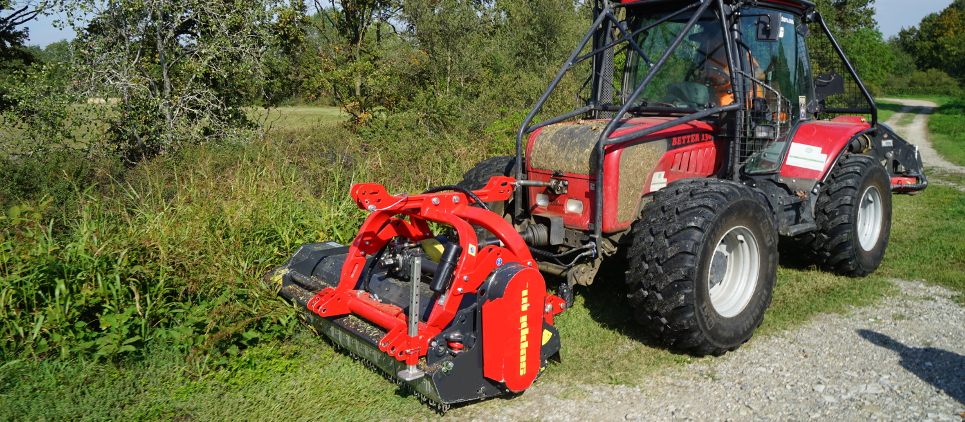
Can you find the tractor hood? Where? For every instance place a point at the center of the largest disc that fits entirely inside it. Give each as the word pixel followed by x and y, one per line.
pixel 570 147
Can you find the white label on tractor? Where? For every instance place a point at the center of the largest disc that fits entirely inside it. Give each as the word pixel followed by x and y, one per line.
pixel 780 33
pixel 472 250
pixel 806 156
pixel 803 107
pixel 659 181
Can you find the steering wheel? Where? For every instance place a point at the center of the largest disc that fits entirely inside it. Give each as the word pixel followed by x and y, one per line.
pixel 712 76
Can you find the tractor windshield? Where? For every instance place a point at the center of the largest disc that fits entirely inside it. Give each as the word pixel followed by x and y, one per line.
pixel 772 69
pixel 695 74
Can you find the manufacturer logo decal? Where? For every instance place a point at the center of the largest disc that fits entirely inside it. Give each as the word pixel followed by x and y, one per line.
pixel 806 156
pixel 690 139
pixel 523 331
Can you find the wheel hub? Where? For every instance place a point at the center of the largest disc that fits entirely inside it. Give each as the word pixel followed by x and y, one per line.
pixel 869 218
pixel 733 273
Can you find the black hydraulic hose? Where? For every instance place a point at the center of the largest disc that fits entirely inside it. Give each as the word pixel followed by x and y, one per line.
pixel 367 275
pixel 460 189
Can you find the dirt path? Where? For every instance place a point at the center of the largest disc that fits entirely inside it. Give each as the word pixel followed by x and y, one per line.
pixel 902 359
pixel 917 131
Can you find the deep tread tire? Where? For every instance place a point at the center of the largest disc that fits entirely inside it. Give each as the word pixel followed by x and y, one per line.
pixel 836 245
pixel 674 244
pixel 479 175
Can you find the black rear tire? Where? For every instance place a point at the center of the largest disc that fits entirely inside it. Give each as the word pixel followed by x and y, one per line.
pixel 703 265
pixel 477 178
pixel 853 215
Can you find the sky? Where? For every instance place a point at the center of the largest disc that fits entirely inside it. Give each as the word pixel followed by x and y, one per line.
pixel 892 15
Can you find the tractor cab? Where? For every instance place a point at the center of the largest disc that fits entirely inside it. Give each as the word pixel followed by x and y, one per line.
pixel 759 59
pixel 757 92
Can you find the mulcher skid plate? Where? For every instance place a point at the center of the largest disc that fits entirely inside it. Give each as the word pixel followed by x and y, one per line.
pixel 485 321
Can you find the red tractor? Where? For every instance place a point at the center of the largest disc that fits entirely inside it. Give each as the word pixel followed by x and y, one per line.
pixel 705 129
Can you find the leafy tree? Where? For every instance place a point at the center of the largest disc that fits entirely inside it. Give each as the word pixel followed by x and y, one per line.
pixel 938 42
pixel 12 35
pixel 172 72
pixel 349 52
pixel 13 55
pixel 846 17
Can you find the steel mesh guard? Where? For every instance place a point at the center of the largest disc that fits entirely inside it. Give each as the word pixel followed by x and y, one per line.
pixel 768 118
pixel 825 60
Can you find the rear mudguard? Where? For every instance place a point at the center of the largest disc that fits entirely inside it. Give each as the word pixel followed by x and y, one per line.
pixel 818 145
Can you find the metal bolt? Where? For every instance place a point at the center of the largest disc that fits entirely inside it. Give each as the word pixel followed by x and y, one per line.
pixel 455 199
pixel 435 201
pixel 549 308
pixel 459 290
pixel 465 278
pixel 740 238
pixel 366 242
pixel 371 208
pixel 529 263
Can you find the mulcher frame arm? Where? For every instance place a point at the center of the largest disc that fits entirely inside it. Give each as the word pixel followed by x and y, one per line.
pixel 475 264
pixel 606 14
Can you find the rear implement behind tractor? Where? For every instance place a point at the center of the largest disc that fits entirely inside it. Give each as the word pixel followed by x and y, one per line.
pixel 707 129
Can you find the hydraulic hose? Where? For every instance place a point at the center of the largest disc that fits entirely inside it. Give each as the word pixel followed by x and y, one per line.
pixel 460 189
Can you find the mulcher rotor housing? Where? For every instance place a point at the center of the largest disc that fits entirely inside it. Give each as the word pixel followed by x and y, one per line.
pixel 705 130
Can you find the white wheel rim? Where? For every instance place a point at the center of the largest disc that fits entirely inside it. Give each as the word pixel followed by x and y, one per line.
pixel 734 267
pixel 869 218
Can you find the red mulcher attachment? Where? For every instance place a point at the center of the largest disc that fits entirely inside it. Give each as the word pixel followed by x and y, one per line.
pixel 475 323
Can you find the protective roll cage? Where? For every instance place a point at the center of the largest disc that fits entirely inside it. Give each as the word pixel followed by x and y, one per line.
pixel 605 23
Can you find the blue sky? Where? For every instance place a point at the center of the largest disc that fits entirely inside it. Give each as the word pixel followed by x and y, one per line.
pixel 892 15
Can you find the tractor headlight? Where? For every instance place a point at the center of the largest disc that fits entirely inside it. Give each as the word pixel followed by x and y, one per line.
pixel 574 206
pixel 542 200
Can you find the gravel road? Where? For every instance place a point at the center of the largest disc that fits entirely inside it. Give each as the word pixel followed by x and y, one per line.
pixel 900 360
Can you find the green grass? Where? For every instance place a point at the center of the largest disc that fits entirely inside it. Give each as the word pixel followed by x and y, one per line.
pixel 296 118
pixel 947 127
pixel 301 379
pixel 886 109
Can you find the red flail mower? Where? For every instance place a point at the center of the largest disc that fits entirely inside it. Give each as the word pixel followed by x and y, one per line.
pixel 705 130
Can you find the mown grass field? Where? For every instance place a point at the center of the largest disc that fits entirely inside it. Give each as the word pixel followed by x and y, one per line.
pixel 171 252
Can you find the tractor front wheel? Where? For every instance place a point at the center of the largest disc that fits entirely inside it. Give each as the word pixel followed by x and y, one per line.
pixel 853 215
pixel 477 177
pixel 703 265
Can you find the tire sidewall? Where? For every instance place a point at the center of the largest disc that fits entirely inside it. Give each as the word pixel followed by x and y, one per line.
pixel 868 261
pixel 728 333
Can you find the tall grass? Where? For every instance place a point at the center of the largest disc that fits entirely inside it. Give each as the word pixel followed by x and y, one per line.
pixel 947 126
pixel 169 253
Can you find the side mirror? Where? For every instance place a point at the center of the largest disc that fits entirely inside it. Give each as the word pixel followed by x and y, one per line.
pixel 769 26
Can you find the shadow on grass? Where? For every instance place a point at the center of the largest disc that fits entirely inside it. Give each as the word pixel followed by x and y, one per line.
pixel 941 369
pixel 894 108
pixel 607 303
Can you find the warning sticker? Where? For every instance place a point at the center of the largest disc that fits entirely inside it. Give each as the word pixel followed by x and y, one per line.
pixel 806 156
pixel 659 181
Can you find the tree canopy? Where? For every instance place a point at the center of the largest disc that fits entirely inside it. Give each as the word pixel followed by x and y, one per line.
pixel 938 42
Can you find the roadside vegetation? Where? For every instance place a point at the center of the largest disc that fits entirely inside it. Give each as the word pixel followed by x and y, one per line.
pixel 134 232
pixel 947 127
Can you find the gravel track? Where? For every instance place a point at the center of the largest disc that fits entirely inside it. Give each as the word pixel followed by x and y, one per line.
pixel 900 360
